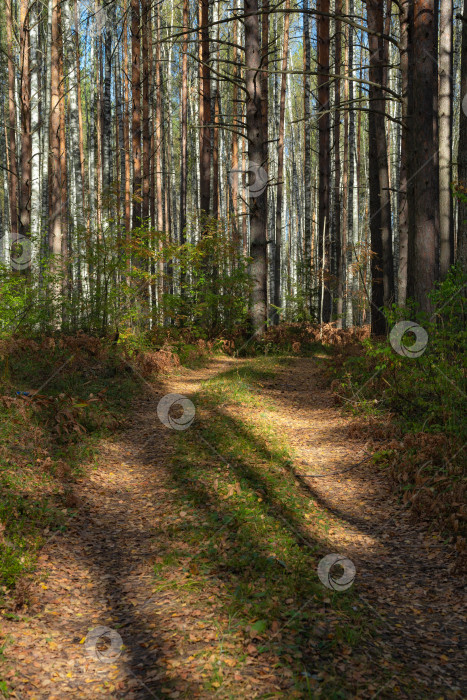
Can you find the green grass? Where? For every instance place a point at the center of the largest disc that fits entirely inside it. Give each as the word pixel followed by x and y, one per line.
pixel 249 528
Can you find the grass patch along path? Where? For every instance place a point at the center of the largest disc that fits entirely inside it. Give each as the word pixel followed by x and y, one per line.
pixel 200 548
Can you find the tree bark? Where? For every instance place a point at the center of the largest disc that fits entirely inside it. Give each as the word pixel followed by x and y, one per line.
pixel 423 237
pixel 126 144
pixel 136 110
pixel 146 31
pixel 405 19
pixel 337 171
pixel 324 159
pixel 12 160
pixel 380 201
pixel 205 157
pixel 351 175
pixel 280 168
pixel 445 64
pixel 183 128
pixel 256 157
pixel 461 252
pixel 55 218
pixel 25 112
pixel 308 262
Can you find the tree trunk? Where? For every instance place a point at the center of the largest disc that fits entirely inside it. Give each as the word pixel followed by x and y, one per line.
pixel 351 175
pixel 56 237
pixel 26 144
pixel 13 165
pixel 446 229
pixel 337 173
pixel 126 136
pixel 461 252
pixel 106 103
pixel 205 157
pixel 423 237
pixel 324 159
pixel 256 157
pixel 183 128
pixel 405 18
pixel 36 156
pixel 136 110
pixel 234 177
pixel 308 263
pixel 380 201
pixel 146 27
pixel 280 168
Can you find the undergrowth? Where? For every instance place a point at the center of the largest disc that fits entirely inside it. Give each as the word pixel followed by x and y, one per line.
pixel 409 392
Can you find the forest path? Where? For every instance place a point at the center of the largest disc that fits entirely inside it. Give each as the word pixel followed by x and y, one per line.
pixel 180 640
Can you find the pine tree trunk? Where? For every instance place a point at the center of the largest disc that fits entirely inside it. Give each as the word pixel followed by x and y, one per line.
pixel 461 252
pixel 12 159
pixel 446 229
pixel 337 173
pixel 324 159
pixel 36 155
pixel 106 103
pixel 233 180
pixel 136 110
pixel 423 238
pixel 280 169
pixel 308 262
pixel 56 237
pixel 256 157
pixel 351 277
pixel 205 155
pixel 126 137
pixel 380 202
pixel 405 18
pixel 183 129
pixel 25 112
pixel 146 29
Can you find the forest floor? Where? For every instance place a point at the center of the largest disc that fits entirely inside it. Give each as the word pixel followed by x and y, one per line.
pixel 200 548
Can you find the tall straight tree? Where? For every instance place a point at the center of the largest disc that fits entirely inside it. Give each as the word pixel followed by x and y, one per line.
pixel 337 169
pixel 350 197
pixel 136 109
pixel 12 161
pixel 205 156
pixel 405 48
pixel 235 162
pixel 461 253
pixel 183 126
pixel 257 157
pixel 55 218
pixel 280 167
pixel 307 155
pixel 380 202
pixel 146 32
pixel 423 234
pixel 106 100
pixel 126 127
pixel 446 230
pixel 324 126
pixel 25 101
